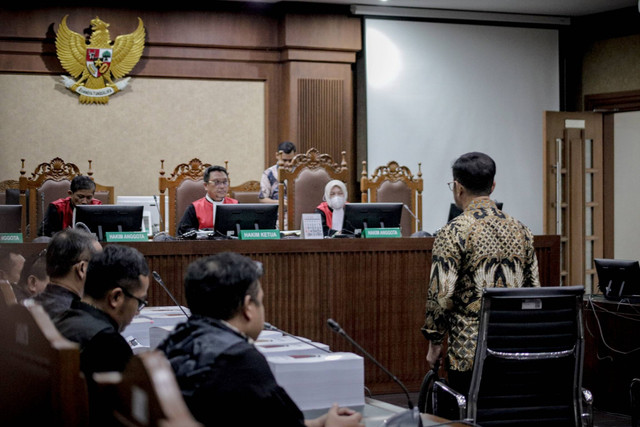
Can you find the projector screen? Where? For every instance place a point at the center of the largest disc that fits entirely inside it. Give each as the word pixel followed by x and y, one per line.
pixel 435 91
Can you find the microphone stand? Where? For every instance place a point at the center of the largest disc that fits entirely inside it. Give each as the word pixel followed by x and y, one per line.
pixel 413 215
pixel 409 418
pixel 158 279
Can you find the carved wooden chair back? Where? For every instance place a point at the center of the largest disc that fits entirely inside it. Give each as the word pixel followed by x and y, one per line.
pixel 182 187
pixel 47 183
pixel 395 183
pixel 302 183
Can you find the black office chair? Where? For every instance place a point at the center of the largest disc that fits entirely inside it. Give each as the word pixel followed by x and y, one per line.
pixel 528 363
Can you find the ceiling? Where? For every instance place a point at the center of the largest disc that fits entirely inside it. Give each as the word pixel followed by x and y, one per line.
pixel 535 7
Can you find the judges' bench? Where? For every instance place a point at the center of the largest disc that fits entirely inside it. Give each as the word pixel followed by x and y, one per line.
pixel 375 288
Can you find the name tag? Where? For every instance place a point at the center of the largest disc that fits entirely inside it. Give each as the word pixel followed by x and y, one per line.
pixel 10 237
pixel 126 236
pixel 259 234
pixel 372 233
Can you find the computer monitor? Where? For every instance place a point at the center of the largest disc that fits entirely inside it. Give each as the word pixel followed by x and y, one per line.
pixel 230 219
pixel 454 211
pixel 10 218
pixel 105 218
pixel 618 278
pixel 359 216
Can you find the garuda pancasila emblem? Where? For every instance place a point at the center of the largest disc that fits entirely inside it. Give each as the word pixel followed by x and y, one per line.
pixel 98 62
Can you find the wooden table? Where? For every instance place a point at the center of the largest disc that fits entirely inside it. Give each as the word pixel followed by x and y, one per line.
pixel 374 288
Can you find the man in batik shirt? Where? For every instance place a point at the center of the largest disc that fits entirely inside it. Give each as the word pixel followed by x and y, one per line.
pixel 481 248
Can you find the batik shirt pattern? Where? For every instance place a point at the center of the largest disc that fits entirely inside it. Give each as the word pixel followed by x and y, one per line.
pixel 481 248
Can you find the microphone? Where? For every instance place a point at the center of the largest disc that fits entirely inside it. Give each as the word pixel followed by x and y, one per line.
pixel 406 418
pixel 159 280
pixel 269 327
pixel 412 214
pixel 155 199
pixel 82 226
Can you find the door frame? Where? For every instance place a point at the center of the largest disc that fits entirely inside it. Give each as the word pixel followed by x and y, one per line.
pixel 608 104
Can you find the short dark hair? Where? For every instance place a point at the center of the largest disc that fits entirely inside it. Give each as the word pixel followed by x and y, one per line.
pixel 5 256
pixel 82 182
pixel 117 266
pixel 476 172
pixel 67 248
pixel 216 286
pixel 287 147
pixel 35 265
pixel 214 168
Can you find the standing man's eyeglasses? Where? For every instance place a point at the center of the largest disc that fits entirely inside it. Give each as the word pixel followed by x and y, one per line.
pixel 142 303
pixel 451 185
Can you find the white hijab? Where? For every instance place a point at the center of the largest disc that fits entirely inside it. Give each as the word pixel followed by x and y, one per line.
pixel 338 213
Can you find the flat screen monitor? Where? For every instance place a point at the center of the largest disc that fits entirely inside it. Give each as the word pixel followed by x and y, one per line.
pixel 618 278
pixel 454 211
pixel 10 218
pixel 230 219
pixel 359 216
pixel 101 219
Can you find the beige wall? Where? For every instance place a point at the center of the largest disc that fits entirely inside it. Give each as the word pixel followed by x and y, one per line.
pixel 612 65
pixel 152 119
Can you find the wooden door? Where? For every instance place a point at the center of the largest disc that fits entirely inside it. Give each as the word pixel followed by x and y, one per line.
pixel 573 192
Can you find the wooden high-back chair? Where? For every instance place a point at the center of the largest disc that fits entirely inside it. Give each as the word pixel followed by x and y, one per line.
pixel 10 185
pixel 40 370
pixel 47 183
pixel 247 192
pixel 305 179
pixel 184 186
pixel 145 394
pixel 395 183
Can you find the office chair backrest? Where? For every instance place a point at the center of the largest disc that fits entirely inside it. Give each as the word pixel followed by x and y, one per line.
pixel 528 363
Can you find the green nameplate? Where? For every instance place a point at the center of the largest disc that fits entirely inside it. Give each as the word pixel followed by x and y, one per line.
pixel 371 233
pixel 259 234
pixel 10 237
pixel 127 236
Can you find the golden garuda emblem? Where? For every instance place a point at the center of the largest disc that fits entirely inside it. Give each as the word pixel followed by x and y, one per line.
pixel 98 62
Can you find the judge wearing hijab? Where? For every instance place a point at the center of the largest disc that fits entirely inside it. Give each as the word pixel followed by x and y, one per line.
pixel 332 209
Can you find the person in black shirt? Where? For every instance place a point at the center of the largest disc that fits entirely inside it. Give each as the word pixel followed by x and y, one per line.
pixel 224 379
pixel 68 254
pixel 115 291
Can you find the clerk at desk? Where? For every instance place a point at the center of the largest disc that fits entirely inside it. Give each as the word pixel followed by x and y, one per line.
pixel 201 213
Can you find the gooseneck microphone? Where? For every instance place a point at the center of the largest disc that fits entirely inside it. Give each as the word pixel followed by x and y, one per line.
pixel 160 219
pixel 269 327
pixel 158 279
pixel 406 418
pixel 413 215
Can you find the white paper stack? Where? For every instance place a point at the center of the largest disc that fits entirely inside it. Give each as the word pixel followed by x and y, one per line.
pixel 317 381
pixel 292 348
pixel 153 317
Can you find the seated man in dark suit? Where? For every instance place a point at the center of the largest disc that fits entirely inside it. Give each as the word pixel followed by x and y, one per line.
pixel 115 291
pixel 34 277
pixel 11 264
pixel 201 213
pixel 68 254
pixel 59 215
pixel 224 379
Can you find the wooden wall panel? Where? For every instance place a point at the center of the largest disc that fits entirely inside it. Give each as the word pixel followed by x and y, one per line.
pixel 277 44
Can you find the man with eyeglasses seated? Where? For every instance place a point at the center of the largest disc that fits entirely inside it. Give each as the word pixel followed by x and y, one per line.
pixel 115 291
pixel 201 214
pixel 68 254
